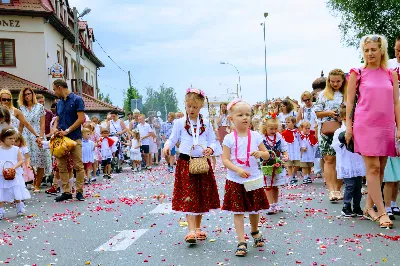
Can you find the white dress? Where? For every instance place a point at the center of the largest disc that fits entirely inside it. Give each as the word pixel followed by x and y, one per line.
pixel 218 149
pixel 14 121
pixel 308 156
pixel 11 190
pixel 348 164
pixel 135 153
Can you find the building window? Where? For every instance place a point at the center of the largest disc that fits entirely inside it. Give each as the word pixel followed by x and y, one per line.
pixel 66 68
pixel 58 57
pixel 7 52
pixel 87 77
pixel 5 1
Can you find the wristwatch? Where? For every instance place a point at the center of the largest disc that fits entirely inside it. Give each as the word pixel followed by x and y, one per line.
pixel 67 130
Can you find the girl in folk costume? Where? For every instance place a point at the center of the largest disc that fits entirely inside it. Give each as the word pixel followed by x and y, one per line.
pixel 194 194
pixel 292 138
pixel 10 157
pixel 308 147
pixel 108 147
pixel 136 156
pixel 244 187
pixel 274 141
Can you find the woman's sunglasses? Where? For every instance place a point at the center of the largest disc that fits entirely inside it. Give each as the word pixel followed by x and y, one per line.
pixel 306 100
pixel 5 99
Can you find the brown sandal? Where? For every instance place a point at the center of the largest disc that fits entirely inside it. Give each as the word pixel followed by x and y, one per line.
pixel 387 224
pixel 191 238
pixel 368 216
pixel 200 234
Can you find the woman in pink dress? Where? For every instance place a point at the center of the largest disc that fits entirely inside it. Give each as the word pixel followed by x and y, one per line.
pixel 376 114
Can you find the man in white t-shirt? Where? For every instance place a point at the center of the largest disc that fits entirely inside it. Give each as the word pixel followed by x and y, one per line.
pixel 146 133
pixel 395 62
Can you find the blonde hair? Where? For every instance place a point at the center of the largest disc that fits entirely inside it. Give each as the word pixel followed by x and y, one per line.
pixel 21 139
pixel 21 98
pixel 234 107
pixel 86 130
pixel 328 91
pixel 383 46
pixel 90 126
pixel 172 114
pixel 136 134
pixel 269 122
pixel 307 94
pixel 5 91
pixel 291 119
pixel 304 124
pixel 192 96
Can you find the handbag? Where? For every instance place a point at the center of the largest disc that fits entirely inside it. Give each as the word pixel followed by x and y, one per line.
pixel 198 165
pixel 28 174
pixel 8 173
pixel 329 127
pixel 60 146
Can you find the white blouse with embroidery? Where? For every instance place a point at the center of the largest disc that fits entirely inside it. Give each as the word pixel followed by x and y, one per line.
pixel 179 134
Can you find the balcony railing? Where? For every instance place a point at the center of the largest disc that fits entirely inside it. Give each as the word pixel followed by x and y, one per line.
pixel 86 88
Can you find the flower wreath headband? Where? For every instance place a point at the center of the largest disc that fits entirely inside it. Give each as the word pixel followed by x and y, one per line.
pixel 270 116
pixel 233 103
pixel 197 91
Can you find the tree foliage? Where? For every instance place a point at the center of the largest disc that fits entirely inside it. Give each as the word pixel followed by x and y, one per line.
pixel 103 98
pixel 129 94
pixel 162 99
pixel 359 18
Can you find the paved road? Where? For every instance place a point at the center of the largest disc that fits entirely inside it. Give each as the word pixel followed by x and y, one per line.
pixel 123 223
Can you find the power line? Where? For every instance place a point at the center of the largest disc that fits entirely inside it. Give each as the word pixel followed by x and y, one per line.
pixel 115 62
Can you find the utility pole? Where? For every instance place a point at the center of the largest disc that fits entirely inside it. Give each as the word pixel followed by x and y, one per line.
pixel 77 51
pixel 130 82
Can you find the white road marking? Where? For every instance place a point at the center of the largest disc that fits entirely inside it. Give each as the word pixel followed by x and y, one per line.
pixel 122 241
pixel 163 208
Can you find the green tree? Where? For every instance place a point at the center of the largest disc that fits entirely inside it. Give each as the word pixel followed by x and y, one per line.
pixel 163 100
pixel 359 18
pixel 101 97
pixel 129 94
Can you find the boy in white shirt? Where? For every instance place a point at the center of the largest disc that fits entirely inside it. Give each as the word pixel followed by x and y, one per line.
pixel 146 133
pixel 108 147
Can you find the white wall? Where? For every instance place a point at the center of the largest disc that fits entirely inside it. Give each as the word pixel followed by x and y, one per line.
pixel 29 48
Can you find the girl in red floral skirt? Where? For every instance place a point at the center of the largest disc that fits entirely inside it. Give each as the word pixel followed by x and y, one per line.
pixel 244 188
pixel 194 194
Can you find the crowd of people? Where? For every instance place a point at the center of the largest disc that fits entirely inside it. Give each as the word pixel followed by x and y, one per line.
pixel 346 133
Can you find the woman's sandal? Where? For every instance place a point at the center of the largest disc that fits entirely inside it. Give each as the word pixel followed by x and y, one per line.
pixel 387 224
pixel 191 238
pixel 241 250
pixel 332 196
pixel 368 216
pixel 200 234
pixel 258 241
pixel 339 195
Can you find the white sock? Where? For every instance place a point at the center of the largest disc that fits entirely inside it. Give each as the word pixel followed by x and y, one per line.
pixel 393 204
pixel 306 176
pixel 388 209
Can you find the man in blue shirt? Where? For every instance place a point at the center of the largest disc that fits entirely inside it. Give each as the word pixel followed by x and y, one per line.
pixel 70 117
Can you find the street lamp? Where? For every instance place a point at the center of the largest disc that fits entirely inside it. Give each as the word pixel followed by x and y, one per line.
pixel 78 45
pixel 240 86
pixel 265 63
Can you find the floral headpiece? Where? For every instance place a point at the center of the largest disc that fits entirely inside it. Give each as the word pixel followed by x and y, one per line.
pixel 197 91
pixel 232 103
pixel 270 116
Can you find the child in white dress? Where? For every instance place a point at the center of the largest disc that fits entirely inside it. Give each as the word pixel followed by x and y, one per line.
pixel 274 142
pixel 244 187
pixel 308 148
pixel 87 154
pixel 136 156
pixel 292 138
pixel 351 168
pixel 10 157
pixel 20 142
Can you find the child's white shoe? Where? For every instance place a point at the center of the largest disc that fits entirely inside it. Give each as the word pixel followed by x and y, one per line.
pixel 20 209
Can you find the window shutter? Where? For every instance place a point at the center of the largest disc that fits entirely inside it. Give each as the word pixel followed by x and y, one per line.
pixel 8 53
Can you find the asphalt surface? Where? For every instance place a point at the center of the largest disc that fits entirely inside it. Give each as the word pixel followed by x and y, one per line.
pixel 127 221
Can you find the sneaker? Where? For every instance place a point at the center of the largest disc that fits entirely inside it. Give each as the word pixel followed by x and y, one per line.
pixel 358 212
pixel 93 179
pixel 148 167
pixel 278 208
pixel 396 210
pixel 307 180
pixel 63 197
pixel 86 181
pixel 293 181
pixel 171 170
pixel 80 197
pixel 347 212
pixel 52 191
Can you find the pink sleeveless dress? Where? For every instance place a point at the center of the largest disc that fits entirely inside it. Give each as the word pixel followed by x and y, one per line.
pixel 374 119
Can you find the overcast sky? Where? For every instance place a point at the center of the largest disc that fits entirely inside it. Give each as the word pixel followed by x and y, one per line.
pixel 180 43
